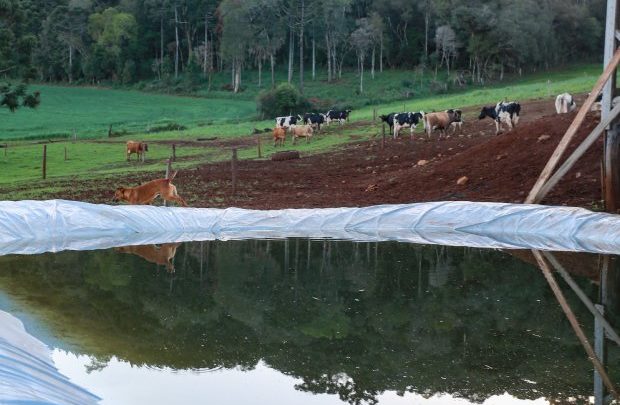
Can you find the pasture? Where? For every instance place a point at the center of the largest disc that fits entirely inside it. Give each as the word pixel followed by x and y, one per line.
pixel 90 112
pixel 104 158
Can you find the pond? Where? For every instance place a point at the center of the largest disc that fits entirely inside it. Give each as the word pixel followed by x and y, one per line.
pixel 302 321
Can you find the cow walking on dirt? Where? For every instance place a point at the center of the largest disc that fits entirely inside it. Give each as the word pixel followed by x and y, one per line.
pixel 503 112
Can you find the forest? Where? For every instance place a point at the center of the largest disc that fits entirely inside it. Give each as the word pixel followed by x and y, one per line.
pixel 127 41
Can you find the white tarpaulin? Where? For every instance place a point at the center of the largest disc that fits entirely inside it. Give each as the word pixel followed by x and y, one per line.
pixel 30 227
pixel 27 374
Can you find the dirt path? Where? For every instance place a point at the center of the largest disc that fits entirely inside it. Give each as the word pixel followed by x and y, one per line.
pixel 499 168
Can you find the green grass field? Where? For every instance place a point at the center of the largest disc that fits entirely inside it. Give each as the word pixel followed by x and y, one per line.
pixel 91 110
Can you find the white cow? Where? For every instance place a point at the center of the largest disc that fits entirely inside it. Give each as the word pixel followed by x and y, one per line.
pixel 564 103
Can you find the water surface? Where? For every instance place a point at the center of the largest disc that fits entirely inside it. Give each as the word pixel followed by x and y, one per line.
pixel 306 322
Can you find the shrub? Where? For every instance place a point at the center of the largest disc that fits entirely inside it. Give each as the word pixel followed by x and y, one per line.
pixel 164 126
pixel 285 99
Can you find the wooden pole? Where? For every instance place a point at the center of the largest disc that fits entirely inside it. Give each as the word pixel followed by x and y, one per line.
pixel 582 296
pixel 65 153
pixel 44 161
pixel 174 152
pixel 611 169
pixel 233 167
pixel 577 153
pixel 572 129
pixel 168 171
pixel 574 323
pixel 374 114
pixel 258 146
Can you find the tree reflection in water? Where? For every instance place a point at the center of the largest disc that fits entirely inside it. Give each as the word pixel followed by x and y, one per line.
pixel 352 319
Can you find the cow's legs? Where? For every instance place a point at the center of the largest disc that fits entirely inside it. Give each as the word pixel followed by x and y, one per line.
pixel 497 127
pixel 396 131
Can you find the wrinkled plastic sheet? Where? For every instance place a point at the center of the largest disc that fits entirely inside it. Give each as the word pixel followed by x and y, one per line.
pixel 27 373
pixel 32 227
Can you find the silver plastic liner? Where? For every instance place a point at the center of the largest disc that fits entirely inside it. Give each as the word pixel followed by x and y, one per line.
pixel 27 374
pixel 31 227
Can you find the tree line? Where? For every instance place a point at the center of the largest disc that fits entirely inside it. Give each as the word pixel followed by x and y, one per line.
pixel 90 41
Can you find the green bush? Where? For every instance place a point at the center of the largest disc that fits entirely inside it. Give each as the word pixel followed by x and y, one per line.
pixel 285 99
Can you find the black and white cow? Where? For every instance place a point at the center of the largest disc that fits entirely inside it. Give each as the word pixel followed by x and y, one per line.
pixel 314 119
pixel 388 119
pixel 340 116
pixel 503 112
pixel 407 119
pixel 287 122
pixel 564 103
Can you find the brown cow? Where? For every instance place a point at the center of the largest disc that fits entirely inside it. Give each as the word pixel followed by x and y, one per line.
pixel 441 120
pixel 301 131
pixel 159 254
pixel 279 135
pixel 139 148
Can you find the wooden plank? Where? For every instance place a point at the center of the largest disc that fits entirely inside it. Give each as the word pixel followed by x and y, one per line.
pixel 572 129
pixel 583 297
pixel 574 323
pixel 577 153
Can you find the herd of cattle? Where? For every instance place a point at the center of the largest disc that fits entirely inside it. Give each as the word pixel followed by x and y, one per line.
pixel 303 126
pixel 503 112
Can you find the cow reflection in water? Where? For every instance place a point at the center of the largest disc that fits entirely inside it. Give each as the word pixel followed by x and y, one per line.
pixel 159 254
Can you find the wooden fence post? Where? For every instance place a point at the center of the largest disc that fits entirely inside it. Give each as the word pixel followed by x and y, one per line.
pixel 65 153
pixel 74 136
pixel 168 170
pixel 44 161
pixel 374 114
pixel 233 167
pixel 6 149
pixel 258 146
pixel 174 152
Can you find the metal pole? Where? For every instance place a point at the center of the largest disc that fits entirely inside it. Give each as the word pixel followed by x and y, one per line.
pixel 611 166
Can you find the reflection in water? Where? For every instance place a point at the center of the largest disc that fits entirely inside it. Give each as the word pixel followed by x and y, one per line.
pixel 159 254
pixel 352 319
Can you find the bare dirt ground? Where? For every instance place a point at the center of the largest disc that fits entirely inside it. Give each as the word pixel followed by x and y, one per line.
pixel 499 168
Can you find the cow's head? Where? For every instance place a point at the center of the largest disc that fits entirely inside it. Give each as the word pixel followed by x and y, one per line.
pixel 487 112
pixel 384 118
pixel 145 147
